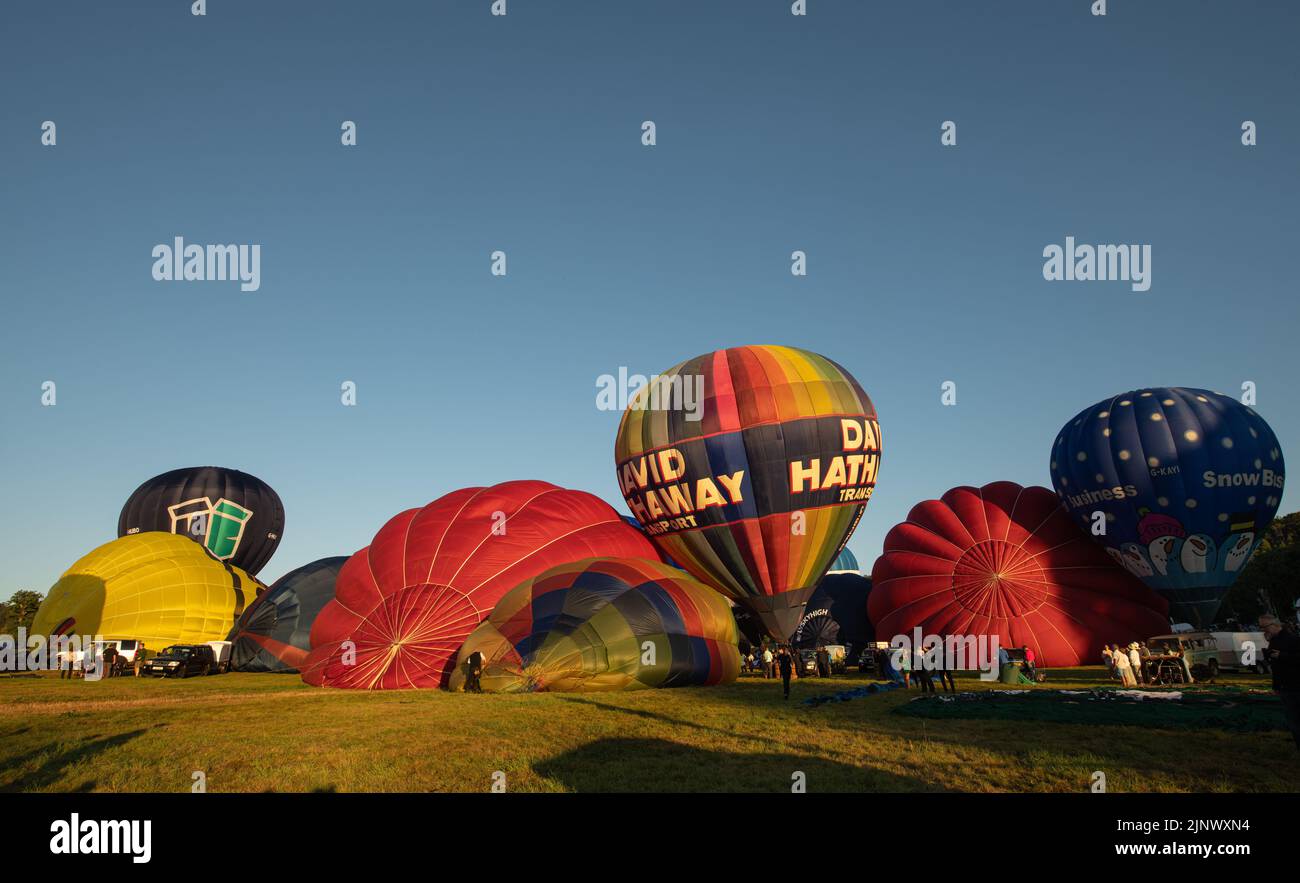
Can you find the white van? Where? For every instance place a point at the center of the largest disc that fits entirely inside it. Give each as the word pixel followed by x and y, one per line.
pixel 221 652
pixel 1208 653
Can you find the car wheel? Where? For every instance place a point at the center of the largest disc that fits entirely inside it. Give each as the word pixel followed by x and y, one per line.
pixel 184 673
pixel 1214 669
pixel 206 670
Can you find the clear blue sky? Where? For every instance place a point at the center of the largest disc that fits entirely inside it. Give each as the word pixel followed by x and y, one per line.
pixel 478 133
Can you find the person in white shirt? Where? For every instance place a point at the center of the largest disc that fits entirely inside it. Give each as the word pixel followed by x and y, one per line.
pixel 1135 660
pixel 768 659
pixel 1125 669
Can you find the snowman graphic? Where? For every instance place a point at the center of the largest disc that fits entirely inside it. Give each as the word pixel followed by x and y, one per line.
pixel 1197 553
pixel 1164 552
pixel 1236 551
pixel 1136 562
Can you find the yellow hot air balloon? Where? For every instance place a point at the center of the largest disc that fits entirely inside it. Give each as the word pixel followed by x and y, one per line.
pixel 160 588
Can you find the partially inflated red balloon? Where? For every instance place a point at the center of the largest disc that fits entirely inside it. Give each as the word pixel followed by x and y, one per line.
pixel 1006 560
pixel 403 606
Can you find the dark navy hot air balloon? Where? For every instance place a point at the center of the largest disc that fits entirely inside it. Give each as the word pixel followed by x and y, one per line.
pixel 273 634
pixel 234 515
pixel 1188 481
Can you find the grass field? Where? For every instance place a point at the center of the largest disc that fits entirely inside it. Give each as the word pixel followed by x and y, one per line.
pixel 256 732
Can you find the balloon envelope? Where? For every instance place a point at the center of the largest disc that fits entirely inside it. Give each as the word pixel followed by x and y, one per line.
pixel 605 624
pixel 756 491
pixel 234 515
pixel 273 633
pixel 1187 479
pixel 1006 560
pixel 836 613
pixel 155 587
pixel 845 562
pixel 405 604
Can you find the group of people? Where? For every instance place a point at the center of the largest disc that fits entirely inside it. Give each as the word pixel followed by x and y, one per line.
pixel 1128 665
pixel 114 664
pixel 925 671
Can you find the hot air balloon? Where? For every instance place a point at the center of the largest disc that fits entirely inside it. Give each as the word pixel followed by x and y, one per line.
pixel 404 605
pixel 1187 481
pixel 1007 560
pixel 756 492
pixel 817 628
pixel 235 516
pixel 155 587
pixel 845 562
pixel 605 624
pixel 836 613
pixel 273 633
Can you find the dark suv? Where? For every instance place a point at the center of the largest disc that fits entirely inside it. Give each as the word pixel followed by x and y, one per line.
pixel 181 660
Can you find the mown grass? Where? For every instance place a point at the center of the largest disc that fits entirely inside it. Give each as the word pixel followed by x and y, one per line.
pixel 250 732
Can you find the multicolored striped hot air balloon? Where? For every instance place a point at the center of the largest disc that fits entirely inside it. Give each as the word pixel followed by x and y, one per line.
pixel 605 624
pixel 755 492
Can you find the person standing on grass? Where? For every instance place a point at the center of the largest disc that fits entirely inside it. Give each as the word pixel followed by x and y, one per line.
pixel 138 662
pixel 1124 669
pixel 1283 655
pixel 768 673
pixel 945 678
pixel 472 680
pixel 785 662
pixel 905 668
pixel 1108 659
pixel 923 677
pixel 1031 670
pixel 1135 660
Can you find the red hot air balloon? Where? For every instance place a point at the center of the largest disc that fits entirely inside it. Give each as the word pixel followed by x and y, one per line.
pixel 1007 560
pixel 404 605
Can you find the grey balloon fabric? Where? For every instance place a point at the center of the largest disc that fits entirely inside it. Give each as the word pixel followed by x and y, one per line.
pixel 273 634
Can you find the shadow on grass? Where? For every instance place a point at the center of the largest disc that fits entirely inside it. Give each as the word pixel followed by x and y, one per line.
pixel 53 769
pixel 658 765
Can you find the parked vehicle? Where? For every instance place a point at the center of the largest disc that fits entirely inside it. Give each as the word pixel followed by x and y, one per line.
pixel 1208 653
pixel 126 648
pixel 868 659
pixel 182 660
pixel 221 654
pixel 838 660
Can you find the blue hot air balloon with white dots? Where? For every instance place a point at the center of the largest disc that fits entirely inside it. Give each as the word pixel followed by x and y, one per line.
pixel 1187 481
